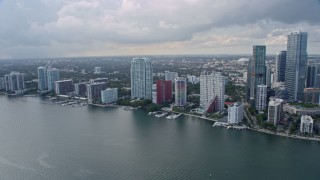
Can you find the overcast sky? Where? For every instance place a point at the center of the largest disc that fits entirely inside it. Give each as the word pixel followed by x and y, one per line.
pixel 58 28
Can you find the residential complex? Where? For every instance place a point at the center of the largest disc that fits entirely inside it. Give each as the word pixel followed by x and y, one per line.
pixel 141 78
pixel 235 113
pixel 14 82
pixel 275 110
pixel 64 87
pixel 109 95
pixel 306 124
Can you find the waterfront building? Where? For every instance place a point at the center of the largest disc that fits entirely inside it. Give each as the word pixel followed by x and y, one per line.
pixel 219 90
pixel 42 79
pixel 94 91
pixel 52 76
pixel 164 91
pixel 206 89
pixel 306 124
pixel 2 84
pixel 275 110
pixel 109 95
pixel 97 70
pixel 311 95
pixel 312 73
pixel 64 87
pixel 296 65
pixel 281 66
pixel 98 80
pixel 235 113
pixel 14 82
pixel 154 93
pixel 180 91
pixel 261 97
pixel 80 89
pixel 256 72
pixel 141 78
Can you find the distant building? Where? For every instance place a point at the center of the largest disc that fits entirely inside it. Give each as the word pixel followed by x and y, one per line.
pixel 97 70
pixel 164 91
pixel 180 91
pixel 170 76
pixel 295 74
pixel 235 113
pixel 261 97
pixel 256 73
pixel 64 87
pixel 141 78
pixel 219 90
pixel 306 124
pixel 275 110
pixel 94 91
pixel 109 95
pixel 193 79
pixel 80 89
pixel 42 79
pixel 98 80
pixel 14 82
pixel 2 84
pixel 52 76
pixel 281 66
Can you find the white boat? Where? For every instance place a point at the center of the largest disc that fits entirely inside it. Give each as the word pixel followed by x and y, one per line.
pixel 170 116
pixel 176 116
pixel 161 115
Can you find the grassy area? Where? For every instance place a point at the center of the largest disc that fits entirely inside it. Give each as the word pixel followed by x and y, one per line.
pixel 305 105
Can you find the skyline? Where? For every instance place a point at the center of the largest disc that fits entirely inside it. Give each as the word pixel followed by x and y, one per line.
pixel 46 28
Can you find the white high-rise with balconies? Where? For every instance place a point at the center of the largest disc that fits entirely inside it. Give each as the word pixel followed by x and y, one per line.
pixel 219 90
pixel 275 110
pixel 261 97
pixel 235 113
pixel 206 89
pixel 306 124
pixel 141 78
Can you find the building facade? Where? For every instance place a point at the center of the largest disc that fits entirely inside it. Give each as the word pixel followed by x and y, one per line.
pixel 164 91
pixel 80 89
pixel 281 66
pixel 235 113
pixel 180 91
pixel 219 90
pixel 312 73
pixel 261 97
pixel 14 82
pixel 94 91
pixel 206 89
pixel 295 73
pixel 306 124
pixel 64 87
pixel 141 78
pixel 109 95
pixel 52 76
pixel 275 110
pixel 42 79
pixel 2 84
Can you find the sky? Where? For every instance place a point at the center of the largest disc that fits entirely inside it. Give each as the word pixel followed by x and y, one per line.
pixel 66 28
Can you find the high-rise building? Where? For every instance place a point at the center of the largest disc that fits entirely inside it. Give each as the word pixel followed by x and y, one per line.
pixel 154 93
pixel 81 88
pixel 261 97
pixel 311 79
pixel 164 91
pixel 281 66
pixel 14 82
pixel 275 110
pixel 109 95
pixel 219 90
pixel 306 124
pixel 141 78
pixel 180 91
pixel 296 65
pixel 235 113
pixel 64 87
pixel 256 72
pixel 206 89
pixel 170 76
pixel 2 84
pixel 94 91
pixel 52 76
pixel 42 79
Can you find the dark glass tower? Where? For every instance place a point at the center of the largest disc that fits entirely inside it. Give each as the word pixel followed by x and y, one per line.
pixel 281 66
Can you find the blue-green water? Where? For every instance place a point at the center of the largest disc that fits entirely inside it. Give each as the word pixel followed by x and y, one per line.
pixel 43 140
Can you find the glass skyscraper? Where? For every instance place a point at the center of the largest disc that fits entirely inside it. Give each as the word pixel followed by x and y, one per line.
pixel 42 78
pixel 281 66
pixel 141 78
pixel 295 74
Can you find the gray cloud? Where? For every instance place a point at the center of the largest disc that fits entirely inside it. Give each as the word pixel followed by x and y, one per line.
pixel 71 27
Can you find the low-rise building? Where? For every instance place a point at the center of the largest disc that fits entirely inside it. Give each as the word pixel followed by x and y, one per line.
pixel 306 124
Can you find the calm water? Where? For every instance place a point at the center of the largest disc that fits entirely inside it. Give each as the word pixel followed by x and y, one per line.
pixel 42 140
